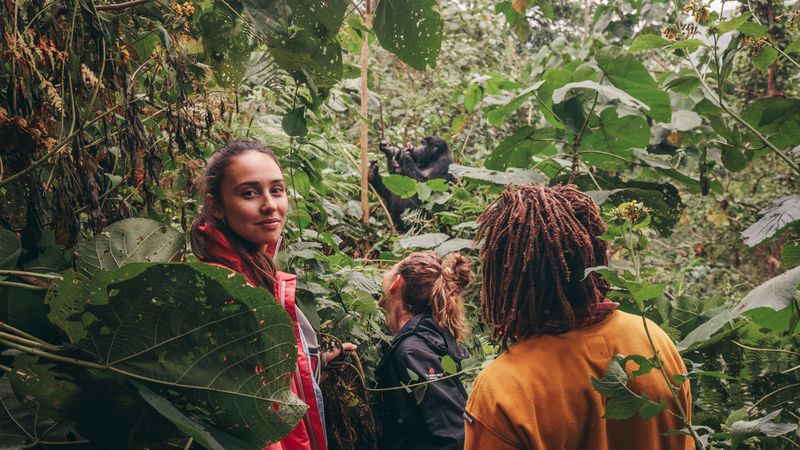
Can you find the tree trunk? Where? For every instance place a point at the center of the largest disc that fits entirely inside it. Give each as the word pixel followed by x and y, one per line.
pixel 772 85
pixel 364 110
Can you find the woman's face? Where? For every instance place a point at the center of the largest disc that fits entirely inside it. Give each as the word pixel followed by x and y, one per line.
pixel 254 201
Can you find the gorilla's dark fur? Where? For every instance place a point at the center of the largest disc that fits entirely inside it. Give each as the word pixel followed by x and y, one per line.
pixel 431 159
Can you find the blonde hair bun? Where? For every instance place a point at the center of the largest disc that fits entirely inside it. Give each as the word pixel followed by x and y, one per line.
pixel 460 272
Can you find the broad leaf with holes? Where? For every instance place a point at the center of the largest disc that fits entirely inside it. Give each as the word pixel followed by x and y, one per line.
pixel 127 241
pixel 214 347
pixel 301 36
pixel 411 29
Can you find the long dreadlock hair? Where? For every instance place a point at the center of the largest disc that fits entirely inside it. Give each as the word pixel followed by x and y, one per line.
pixel 539 242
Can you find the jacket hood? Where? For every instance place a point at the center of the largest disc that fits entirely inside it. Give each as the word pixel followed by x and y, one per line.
pixel 221 248
pixel 422 326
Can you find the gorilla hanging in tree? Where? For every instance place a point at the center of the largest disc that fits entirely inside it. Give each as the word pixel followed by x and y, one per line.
pixel 431 159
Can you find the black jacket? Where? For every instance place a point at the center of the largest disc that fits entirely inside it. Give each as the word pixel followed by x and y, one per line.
pixel 436 422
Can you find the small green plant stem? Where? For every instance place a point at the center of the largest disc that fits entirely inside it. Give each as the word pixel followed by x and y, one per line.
pixel 30 274
pixel 776 350
pixel 188 444
pixel 674 390
pixel 29 342
pixel 5 368
pixel 118 6
pixel 746 124
pixel 576 152
pixel 22 285
pixel 421 383
pixel 781 389
pixel 19 332
pixel 44 354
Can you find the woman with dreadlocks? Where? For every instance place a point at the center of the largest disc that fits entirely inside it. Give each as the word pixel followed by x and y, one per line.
pixel 422 300
pixel 559 331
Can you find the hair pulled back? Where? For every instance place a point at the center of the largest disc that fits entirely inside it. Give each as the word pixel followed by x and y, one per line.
pixel 431 284
pixel 260 266
pixel 539 242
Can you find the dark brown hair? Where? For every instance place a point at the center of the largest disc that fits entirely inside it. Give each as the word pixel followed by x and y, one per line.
pixel 433 285
pixel 260 266
pixel 539 242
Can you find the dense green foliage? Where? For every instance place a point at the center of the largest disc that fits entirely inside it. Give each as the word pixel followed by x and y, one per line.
pixel 681 120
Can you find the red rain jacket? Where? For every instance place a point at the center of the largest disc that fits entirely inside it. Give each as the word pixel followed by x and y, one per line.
pixel 310 432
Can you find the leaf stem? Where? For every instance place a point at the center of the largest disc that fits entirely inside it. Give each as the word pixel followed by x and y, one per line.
pixel 674 390
pixel 746 124
pixel 119 6
pixel 26 341
pixel 22 285
pixel 422 383
pixel 776 350
pixel 771 394
pixel 19 332
pixel 30 274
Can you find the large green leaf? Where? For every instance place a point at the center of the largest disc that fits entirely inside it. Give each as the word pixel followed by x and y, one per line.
pixel 648 42
pixel 607 91
pixel 209 438
pixel 427 240
pixel 21 423
pixel 517 149
pixel 10 249
pixel 66 298
pixel 777 118
pixel 301 36
pixel 614 137
pixel 203 339
pixel 497 177
pixel 129 240
pixel 775 294
pixel 775 217
pixel 226 45
pixel 401 185
pixel 497 115
pixel 733 24
pixel 411 29
pixel 627 73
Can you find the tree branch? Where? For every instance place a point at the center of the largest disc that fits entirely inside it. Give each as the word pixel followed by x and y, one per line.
pixel 123 5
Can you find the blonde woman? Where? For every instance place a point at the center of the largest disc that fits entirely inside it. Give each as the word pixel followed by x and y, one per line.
pixel 424 313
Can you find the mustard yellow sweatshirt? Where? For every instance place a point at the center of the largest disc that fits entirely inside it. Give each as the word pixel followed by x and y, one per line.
pixel 538 394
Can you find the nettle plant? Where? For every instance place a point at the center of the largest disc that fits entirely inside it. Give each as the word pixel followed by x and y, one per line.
pixel 627 229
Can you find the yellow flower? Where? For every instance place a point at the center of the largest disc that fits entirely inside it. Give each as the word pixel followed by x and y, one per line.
pixel 632 211
pixel 178 8
pixel 188 9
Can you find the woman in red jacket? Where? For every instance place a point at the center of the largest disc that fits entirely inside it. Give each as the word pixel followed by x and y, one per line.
pixel 240 228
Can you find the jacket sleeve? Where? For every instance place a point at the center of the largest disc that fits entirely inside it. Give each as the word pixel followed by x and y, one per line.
pixel 443 400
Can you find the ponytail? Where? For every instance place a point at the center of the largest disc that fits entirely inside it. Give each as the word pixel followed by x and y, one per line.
pixel 434 285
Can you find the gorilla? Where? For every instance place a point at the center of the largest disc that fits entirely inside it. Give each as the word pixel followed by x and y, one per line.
pixel 431 159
